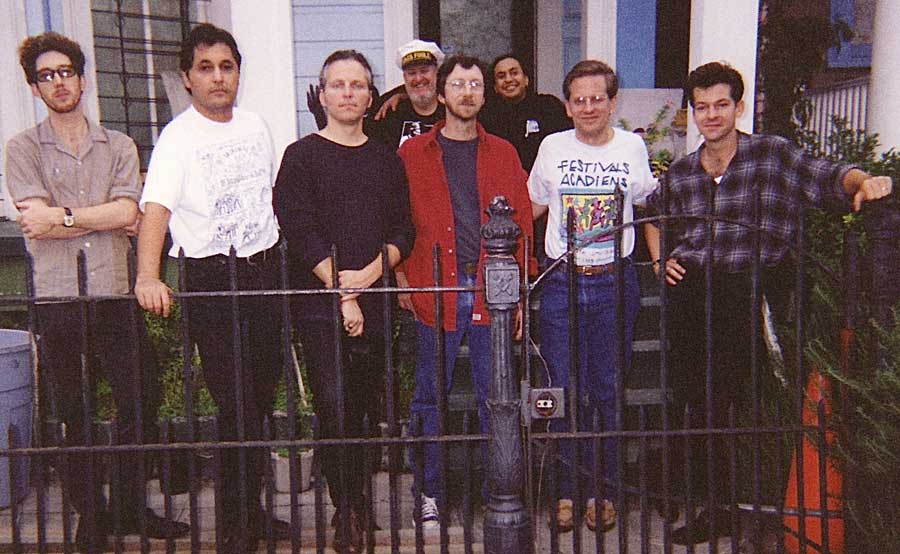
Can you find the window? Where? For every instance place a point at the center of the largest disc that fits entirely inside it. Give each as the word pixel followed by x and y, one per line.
pixel 136 46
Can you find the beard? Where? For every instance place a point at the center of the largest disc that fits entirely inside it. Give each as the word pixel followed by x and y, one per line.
pixel 63 106
pixel 423 99
pixel 451 109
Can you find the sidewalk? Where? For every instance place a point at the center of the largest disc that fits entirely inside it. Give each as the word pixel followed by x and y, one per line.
pixel 27 525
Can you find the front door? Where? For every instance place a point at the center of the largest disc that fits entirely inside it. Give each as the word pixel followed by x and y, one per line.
pixel 483 28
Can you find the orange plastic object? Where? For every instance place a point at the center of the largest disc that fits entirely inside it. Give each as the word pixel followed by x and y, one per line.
pixel 818 388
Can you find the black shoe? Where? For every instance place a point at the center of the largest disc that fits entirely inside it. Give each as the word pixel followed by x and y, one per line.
pixel 87 542
pixel 281 530
pixel 669 516
pixel 356 532
pixel 234 544
pixel 698 530
pixel 157 527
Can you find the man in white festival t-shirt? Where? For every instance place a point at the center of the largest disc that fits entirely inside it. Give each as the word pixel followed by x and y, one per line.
pixel 583 169
pixel 210 182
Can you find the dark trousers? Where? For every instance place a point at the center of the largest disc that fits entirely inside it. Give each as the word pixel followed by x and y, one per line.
pixel 117 344
pixel 729 374
pixel 359 375
pixel 255 360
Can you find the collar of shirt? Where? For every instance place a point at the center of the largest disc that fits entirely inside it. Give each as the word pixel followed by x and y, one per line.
pixel 47 135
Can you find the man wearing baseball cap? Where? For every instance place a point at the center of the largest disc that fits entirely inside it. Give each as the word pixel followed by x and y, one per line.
pixel 419 112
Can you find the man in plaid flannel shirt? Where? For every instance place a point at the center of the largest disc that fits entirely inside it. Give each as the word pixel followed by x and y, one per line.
pixel 754 180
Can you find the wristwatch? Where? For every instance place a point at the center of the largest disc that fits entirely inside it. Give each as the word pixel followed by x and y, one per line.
pixel 68 219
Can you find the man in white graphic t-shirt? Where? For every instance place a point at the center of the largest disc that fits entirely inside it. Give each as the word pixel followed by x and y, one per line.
pixel 210 182
pixel 584 169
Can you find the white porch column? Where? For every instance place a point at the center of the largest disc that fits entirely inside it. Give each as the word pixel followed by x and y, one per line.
pixel 884 85
pixel 16 105
pixel 399 28
pixel 598 30
pixel 725 30
pixel 264 33
pixel 548 66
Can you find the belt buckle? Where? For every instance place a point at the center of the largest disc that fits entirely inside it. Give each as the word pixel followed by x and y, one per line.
pixel 592 270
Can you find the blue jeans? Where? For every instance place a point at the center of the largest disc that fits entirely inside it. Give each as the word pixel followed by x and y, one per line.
pixel 424 409
pixel 596 370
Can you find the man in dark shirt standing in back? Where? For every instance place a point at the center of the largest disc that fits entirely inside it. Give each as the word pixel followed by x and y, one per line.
pixel 518 115
pixel 337 187
pixel 523 118
pixel 420 110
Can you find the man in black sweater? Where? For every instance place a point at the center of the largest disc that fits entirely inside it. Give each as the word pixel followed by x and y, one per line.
pixel 338 188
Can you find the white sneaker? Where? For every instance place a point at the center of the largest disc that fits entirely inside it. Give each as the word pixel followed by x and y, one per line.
pixel 430 515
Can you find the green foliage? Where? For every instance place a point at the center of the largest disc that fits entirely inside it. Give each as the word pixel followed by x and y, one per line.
pixel 165 334
pixel 866 402
pixel 13 318
pixel 868 449
pixel 658 130
pixel 791 51
pixel 104 408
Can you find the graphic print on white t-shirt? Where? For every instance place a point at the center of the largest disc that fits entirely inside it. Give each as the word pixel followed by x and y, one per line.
pixel 590 189
pixel 595 213
pixel 236 174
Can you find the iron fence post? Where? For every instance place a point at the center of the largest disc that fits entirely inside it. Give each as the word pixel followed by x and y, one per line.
pixel 507 524
pixel 882 224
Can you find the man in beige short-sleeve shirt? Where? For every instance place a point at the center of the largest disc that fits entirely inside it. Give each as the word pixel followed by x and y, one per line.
pixel 76 187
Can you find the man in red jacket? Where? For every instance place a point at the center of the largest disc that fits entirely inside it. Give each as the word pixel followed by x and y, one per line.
pixel 454 171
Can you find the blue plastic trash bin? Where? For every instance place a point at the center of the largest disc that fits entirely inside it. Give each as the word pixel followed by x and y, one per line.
pixel 15 409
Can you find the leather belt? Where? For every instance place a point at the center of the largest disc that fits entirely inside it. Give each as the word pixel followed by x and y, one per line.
pixel 254 259
pixel 594 269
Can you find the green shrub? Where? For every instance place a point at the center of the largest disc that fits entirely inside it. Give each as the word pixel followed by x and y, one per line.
pixel 867 409
pixel 165 334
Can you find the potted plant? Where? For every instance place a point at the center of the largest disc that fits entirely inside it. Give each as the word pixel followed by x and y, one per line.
pixel 281 457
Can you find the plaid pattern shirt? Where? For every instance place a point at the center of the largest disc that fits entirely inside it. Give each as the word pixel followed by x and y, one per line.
pixel 783 177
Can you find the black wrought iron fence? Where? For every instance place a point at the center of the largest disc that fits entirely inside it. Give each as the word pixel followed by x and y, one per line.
pixel 741 456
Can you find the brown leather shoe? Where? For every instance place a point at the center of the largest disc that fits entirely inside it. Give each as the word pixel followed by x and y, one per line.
pixel 607 516
pixel 565 516
pixel 356 534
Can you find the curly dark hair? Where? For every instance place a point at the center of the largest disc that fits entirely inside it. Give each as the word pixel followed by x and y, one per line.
pixel 464 62
pixel 32 48
pixel 586 68
pixel 715 73
pixel 207 35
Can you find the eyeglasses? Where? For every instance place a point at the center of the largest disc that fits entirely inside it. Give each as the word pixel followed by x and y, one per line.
pixel 64 72
pixel 459 84
pixel 585 101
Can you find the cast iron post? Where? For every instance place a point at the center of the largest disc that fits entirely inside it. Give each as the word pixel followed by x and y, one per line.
pixel 882 223
pixel 507 525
